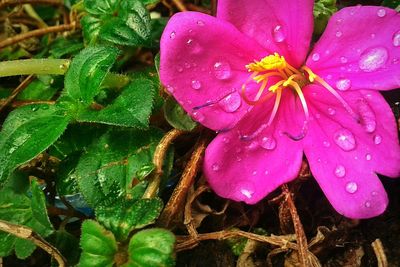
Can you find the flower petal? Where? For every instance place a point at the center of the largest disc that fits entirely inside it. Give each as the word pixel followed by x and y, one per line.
pixel 248 169
pixel 203 63
pixel 280 26
pixel 344 154
pixel 360 49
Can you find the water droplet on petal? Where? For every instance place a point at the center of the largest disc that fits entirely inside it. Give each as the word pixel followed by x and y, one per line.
pixel 368 157
pixel 340 171
pixel 315 57
pixel 170 89
pixel 222 70
pixel 172 35
pixel 200 23
pixel 374 193
pixel 373 59
pixel 196 84
pixel 396 39
pixel 252 146
pixel 215 167
pixel 266 172
pixel 377 139
pixel 368 119
pixel 339 34
pixel 198 116
pixel 367 204
pixel 246 190
pixel 179 69
pixel 343 60
pixel 268 143
pixel 231 103
pixel 351 187
pixel 381 12
pixel 226 140
pixel 331 111
pixel 326 144
pixel 254 173
pixel 278 34
pixel 345 139
pixel 343 84
pixel 195 46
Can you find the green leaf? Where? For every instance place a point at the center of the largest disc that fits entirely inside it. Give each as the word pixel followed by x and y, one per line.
pixel 105 171
pixel 395 4
pixel 125 216
pixel 132 108
pixel 102 7
pixel 19 209
pixel 62 47
pixel 323 10
pixel 177 117
pixel 118 22
pixel 86 73
pixel 98 245
pixel 151 248
pixel 44 88
pixel 27 132
pixel 64 241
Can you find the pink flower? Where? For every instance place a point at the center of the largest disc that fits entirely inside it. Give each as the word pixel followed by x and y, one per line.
pixel 248 75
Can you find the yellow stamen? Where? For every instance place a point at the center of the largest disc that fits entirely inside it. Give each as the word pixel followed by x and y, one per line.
pixel 271 62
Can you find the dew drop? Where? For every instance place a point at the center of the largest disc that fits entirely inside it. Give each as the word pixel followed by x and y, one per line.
pixel 268 143
pixel 266 172
pixel 326 144
pixel 343 60
pixel 34 108
pixel 374 193
pixel 339 34
pixel 367 204
pixel 377 139
pixel 215 167
pixel 246 190
pixel 231 103
pixel 198 116
pixel 172 35
pixel 226 140
pixel 196 84
pixel 254 173
pixel 381 12
pixel 315 57
pixel 345 139
pixel 396 39
pixel 278 34
pixel 222 70
pixel 373 59
pixel 340 171
pixel 195 46
pixel 368 157
pixel 200 23
pixel 368 119
pixel 331 111
pixel 170 89
pixel 351 187
pixel 179 69
pixel 343 84
pixel 252 146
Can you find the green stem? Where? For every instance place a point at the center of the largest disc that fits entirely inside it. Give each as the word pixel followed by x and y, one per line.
pixel 34 66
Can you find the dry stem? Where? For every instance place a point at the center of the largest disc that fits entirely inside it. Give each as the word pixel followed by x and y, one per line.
pixel 176 201
pixel 380 253
pixel 28 234
pixel 16 91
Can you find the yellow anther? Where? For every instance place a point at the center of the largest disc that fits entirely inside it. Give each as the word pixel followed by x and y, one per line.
pixel 311 74
pixel 271 62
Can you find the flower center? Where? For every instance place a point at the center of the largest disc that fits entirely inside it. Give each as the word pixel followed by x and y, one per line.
pixel 275 66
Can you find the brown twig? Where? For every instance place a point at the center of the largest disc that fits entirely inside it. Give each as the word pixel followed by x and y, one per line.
pixel 176 201
pixel 4 3
pixel 158 160
pixel 379 253
pixel 39 32
pixel 188 242
pixel 298 228
pixel 16 91
pixel 179 5
pixel 28 234
pixel 20 103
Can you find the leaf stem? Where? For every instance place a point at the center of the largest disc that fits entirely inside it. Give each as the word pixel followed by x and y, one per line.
pixel 27 233
pixel 34 66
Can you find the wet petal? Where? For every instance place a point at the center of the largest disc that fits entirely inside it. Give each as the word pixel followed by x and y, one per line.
pixel 360 49
pixel 202 65
pixel 245 168
pixel 345 155
pixel 281 26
